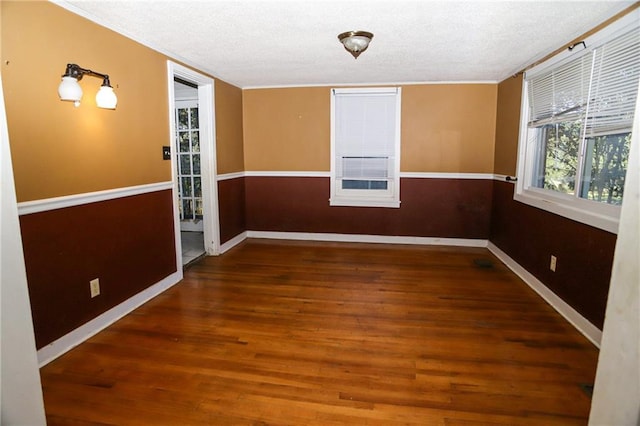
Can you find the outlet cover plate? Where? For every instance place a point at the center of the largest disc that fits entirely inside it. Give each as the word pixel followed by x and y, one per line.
pixel 94 285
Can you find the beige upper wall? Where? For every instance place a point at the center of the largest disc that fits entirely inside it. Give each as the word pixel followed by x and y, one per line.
pixel 448 128
pixel 58 149
pixel 229 137
pixel 286 129
pixel 508 125
pixel 445 128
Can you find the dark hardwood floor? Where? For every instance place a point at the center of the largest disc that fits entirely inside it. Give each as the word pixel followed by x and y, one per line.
pixel 299 333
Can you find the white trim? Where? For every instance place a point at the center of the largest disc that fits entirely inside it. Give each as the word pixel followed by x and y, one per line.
pixel 76 10
pixel 592 42
pixel 47 204
pixel 233 242
pixel 410 175
pixel 174 166
pixel 262 173
pixel 208 158
pixel 206 117
pixel 103 23
pixel 574 212
pixel 583 325
pixel 370 84
pixel 438 175
pixel 504 178
pixel 21 401
pixel 589 330
pixel 364 202
pixel 229 176
pixel 99 323
pixel 363 238
pixel 576 36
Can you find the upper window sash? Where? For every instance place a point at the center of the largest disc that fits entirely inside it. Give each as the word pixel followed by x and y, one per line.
pixel 611 116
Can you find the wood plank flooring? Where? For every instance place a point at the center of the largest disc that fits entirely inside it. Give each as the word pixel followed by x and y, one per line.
pixel 301 333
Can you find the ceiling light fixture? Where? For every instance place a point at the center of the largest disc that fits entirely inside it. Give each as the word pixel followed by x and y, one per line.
pixel 355 42
pixel 70 90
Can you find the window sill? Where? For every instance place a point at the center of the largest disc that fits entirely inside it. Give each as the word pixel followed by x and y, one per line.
pixel 576 210
pixel 342 202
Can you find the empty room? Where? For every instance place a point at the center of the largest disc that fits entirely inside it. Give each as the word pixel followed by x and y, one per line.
pixel 320 213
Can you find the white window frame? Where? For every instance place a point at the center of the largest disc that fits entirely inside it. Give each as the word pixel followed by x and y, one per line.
pixel 188 223
pixel 364 197
pixel 593 213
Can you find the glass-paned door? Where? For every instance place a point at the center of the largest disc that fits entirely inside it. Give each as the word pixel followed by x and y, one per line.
pixel 188 163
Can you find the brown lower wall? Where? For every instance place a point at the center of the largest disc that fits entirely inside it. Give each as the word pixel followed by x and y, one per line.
pixel 231 205
pixel 530 236
pixel 448 208
pixel 128 243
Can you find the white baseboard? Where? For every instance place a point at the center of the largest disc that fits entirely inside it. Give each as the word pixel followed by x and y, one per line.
pixel 85 331
pixel 583 325
pixel 361 238
pixel 99 323
pixel 233 242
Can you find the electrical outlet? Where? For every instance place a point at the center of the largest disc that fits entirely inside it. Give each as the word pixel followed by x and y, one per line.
pixel 554 261
pixel 94 285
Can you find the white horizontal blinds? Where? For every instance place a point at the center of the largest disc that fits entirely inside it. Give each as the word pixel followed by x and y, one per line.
pixel 365 134
pixel 615 85
pixel 365 167
pixel 560 94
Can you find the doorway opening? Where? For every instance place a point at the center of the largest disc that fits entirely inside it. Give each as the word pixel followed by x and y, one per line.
pixel 189 171
pixel 193 164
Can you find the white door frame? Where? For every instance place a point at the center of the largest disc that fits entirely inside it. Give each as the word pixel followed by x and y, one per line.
pixel 206 118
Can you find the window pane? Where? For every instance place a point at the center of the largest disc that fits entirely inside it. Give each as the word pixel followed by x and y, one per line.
pixel 364 184
pixel 197 187
pixel 186 187
pixel 196 164
pixel 185 164
pixel 606 161
pixel 183 118
pixel 194 118
pixel 195 141
pixel 187 208
pixel 198 208
pixel 557 156
pixel 364 167
pixel 184 141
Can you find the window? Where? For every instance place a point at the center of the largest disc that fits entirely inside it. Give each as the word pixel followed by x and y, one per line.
pixel 365 147
pixel 576 124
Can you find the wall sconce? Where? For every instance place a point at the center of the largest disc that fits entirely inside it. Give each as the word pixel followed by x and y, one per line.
pixel 355 42
pixel 70 90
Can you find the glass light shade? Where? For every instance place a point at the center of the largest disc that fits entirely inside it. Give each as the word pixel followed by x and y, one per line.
pixel 70 90
pixel 106 98
pixel 356 43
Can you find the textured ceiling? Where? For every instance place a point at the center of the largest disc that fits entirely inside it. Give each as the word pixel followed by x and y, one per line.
pixel 294 43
